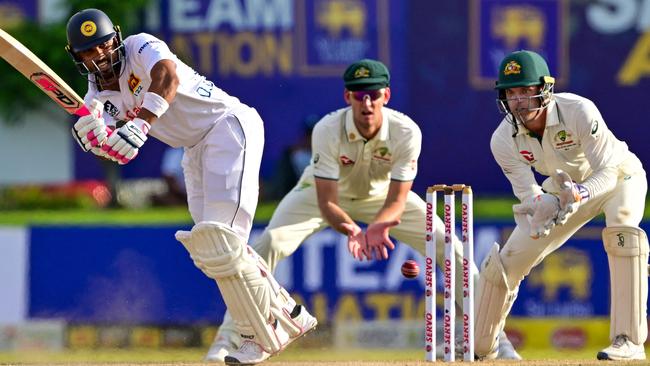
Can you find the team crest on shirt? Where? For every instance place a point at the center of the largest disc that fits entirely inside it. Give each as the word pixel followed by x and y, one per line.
pixel 345 160
pixel 134 84
pixel 563 140
pixel 382 153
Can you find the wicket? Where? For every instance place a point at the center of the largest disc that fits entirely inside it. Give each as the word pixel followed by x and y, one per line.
pixel 448 271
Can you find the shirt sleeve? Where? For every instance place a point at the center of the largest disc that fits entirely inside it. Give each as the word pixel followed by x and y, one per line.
pixel 324 143
pixel 148 50
pixel 519 174
pixel 598 144
pixel 405 165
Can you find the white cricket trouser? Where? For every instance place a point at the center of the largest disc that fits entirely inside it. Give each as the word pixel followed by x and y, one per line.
pixel 222 171
pixel 623 206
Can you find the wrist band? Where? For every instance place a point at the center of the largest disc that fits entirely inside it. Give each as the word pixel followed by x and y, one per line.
pixel 154 103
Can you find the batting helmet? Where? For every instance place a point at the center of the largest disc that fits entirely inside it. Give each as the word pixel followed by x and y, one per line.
pixel 523 68
pixel 89 28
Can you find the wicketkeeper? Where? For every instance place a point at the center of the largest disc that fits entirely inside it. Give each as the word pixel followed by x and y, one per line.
pixel 563 136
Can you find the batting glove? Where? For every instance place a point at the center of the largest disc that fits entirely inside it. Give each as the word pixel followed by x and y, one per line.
pixel 537 215
pixel 571 195
pixel 91 131
pixel 124 143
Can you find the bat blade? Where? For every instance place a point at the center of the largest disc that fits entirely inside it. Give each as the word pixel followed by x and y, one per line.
pixel 28 64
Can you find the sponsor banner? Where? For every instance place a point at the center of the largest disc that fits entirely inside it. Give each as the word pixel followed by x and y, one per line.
pixel 558 333
pixel 13 274
pixel 139 275
pixel 499 27
pixel 38 335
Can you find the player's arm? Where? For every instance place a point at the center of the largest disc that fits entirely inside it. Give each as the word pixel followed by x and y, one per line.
pixel 519 174
pixel 327 195
pixel 377 238
pixel 123 146
pixel 162 91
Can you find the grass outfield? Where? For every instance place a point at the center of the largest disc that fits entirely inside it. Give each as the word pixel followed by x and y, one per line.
pixel 486 208
pixel 295 357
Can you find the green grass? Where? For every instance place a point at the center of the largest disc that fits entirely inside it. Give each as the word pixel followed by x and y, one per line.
pixel 291 355
pixel 494 209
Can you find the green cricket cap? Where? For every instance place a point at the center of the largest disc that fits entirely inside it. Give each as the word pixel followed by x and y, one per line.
pixel 366 74
pixel 522 68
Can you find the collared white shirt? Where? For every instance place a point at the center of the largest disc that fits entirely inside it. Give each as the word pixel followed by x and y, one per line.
pixel 363 168
pixel 576 140
pixel 198 104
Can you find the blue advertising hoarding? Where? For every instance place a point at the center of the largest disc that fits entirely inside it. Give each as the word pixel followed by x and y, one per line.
pixel 122 275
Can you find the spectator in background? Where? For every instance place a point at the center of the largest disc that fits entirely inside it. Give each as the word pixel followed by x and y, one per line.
pixel 292 163
pixel 172 173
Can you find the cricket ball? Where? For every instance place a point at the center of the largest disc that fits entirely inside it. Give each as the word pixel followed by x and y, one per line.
pixel 410 269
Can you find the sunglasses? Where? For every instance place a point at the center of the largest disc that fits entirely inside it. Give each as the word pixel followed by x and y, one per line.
pixel 362 94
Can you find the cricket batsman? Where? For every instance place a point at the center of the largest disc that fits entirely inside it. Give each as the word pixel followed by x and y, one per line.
pixel 564 137
pixel 138 88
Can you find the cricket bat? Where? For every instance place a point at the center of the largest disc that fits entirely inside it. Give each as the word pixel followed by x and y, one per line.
pixel 25 61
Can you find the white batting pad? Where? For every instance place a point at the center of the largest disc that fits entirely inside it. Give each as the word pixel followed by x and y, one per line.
pixel 492 304
pixel 627 252
pixel 258 305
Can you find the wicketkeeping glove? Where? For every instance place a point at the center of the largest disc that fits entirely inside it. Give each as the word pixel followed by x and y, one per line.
pixel 91 131
pixel 537 215
pixel 571 195
pixel 124 143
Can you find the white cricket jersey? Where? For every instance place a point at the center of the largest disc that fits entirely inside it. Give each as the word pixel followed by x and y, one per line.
pixel 576 140
pixel 363 168
pixel 198 104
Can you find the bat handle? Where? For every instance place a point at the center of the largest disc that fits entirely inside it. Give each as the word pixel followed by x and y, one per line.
pixel 83 111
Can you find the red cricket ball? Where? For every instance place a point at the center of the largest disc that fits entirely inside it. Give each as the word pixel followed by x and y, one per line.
pixel 410 269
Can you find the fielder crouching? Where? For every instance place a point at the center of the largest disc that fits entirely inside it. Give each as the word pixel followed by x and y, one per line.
pixel 564 137
pixel 137 87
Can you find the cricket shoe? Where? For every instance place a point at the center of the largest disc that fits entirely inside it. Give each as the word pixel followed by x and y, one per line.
pixel 505 349
pixel 222 346
pixel 251 353
pixel 622 349
pixel 304 320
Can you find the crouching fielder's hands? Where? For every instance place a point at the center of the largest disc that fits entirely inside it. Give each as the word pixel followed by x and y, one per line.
pixel 571 195
pixel 123 145
pixel 538 214
pixel 91 131
pixel 356 241
pixel 377 240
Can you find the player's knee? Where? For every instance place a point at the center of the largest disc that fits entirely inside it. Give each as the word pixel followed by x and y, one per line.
pixel 625 241
pixel 215 248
